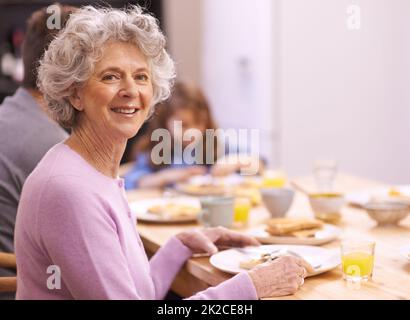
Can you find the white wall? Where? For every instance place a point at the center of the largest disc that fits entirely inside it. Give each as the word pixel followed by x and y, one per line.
pixel 182 22
pixel 312 86
pixel 344 93
pixel 236 60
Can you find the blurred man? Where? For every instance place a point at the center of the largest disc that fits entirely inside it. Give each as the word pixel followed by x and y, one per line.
pixel 26 132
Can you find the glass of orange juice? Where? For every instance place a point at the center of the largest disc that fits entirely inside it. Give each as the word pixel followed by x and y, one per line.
pixel 357 260
pixel 242 209
pixel 274 179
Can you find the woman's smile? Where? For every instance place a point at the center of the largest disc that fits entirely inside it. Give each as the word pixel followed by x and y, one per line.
pixel 126 110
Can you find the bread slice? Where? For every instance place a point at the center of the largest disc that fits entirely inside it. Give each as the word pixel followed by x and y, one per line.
pixel 309 233
pixel 287 226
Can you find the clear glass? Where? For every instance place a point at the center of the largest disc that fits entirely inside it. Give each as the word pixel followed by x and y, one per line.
pixel 242 209
pixel 324 171
pixel 357 260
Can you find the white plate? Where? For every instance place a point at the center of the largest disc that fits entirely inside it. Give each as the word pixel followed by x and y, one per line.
pixel 361 198
pixel 228 260
pixel 326 234
pixel 140 208
pixel 405 252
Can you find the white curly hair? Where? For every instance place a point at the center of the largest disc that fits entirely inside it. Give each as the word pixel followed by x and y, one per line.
pixel 70 58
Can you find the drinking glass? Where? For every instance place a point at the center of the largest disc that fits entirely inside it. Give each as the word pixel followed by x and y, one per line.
pixel 242 209
pixel 324 171
pixel 357 260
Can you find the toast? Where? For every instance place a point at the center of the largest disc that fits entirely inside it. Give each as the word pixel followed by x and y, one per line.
pixel 298 227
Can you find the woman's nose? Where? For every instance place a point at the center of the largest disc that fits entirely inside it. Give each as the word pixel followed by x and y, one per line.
pixel 129 89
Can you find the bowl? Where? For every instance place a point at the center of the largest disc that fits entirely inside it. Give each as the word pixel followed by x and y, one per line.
pixel 327 206
pixel 277 200
pixel 387 212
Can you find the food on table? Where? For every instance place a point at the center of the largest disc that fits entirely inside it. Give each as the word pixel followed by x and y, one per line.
pixel 219 188
pixel 394 192
pixel 204 189
pixel 264 257
pixel 393 195
pixel 274 179
pixel 251 182
pixel 251 263
pixel 326 195
pixel 294 227
pixel 327 206
pixel 249 192
pixel 174 210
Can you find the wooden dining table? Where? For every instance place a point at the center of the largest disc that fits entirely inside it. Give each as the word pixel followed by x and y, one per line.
pixel 391 276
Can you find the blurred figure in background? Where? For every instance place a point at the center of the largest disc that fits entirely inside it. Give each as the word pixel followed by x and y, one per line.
pixel 188 106
pixel 26 131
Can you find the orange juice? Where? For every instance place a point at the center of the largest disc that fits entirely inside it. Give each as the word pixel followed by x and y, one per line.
pixel 241 210
pixel 357 265
pixel 274 179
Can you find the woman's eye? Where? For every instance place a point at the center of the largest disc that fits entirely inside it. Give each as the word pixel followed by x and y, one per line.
pixel 142 77
pixel 110 77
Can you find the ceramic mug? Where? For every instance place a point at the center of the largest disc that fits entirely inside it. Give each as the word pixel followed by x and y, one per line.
pixel 217 211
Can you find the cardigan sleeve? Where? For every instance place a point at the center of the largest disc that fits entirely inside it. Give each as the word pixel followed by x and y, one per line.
pixel 168 260
pixel 166 263
pixel 240 287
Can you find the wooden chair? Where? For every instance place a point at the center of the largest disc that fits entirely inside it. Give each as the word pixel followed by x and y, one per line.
pixel 8 284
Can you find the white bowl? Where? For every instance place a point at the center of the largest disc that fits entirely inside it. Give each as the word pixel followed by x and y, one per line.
pixel 327 206
pixel 387 212
pixel 277 200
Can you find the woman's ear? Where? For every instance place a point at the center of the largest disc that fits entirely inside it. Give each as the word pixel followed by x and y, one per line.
pixel 75 100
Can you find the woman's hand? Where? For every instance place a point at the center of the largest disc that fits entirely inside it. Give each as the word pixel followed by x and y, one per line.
pixel 209 239
pixel 279 277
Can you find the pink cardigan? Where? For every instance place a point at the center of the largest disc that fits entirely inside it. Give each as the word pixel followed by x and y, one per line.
pixel 77 220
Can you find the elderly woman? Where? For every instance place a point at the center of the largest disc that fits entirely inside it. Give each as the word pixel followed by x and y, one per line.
pixel 75 233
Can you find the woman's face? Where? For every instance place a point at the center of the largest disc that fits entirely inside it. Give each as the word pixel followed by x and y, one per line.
pixel 115 101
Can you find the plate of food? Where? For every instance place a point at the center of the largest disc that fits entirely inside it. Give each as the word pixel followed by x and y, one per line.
pixel 167 210
pixel 295 231
pixel 405 252
pixel 381 194
pixel 236 260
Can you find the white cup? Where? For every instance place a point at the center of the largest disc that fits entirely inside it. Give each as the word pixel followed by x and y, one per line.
pixel 217 211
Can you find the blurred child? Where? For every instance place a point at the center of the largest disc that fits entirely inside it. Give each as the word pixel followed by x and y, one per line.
pixel 189 108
